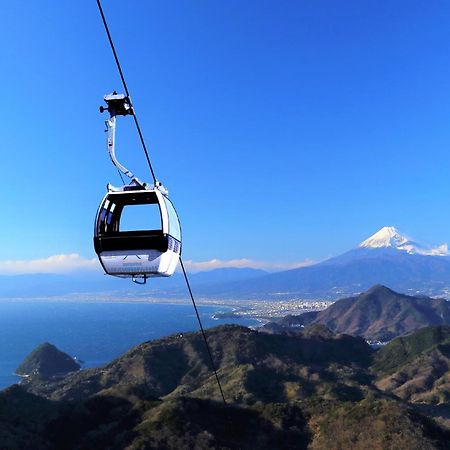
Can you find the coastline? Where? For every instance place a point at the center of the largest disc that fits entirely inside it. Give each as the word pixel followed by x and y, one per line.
pixel 262 311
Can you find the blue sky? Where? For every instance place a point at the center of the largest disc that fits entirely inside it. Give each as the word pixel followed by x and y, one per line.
pixel 284 131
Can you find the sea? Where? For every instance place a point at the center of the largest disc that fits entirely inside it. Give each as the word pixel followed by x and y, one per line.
pixel 94 333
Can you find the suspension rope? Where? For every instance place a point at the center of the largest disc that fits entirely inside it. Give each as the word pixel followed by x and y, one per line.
pixel 203 331
pixel 122 77
pixel 154 179
pixel 121 177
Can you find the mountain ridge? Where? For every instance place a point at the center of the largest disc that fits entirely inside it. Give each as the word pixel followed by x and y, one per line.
pixel 379 313
pixel 311 390
pixel 387 257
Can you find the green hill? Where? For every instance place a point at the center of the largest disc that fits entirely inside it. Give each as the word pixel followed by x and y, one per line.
pixel 416 367
pixel 312 390
pixel 46 361
pixel 405 349
pixel 253 366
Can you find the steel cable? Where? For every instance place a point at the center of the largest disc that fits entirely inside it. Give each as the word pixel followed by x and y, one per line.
pixel 119 67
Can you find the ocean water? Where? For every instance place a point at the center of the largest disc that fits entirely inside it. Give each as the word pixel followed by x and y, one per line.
pixel 95 333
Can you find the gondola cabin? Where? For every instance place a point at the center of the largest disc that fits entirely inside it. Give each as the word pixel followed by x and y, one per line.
pixel 151 248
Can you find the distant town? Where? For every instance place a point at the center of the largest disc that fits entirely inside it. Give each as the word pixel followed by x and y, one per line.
pixel 264 310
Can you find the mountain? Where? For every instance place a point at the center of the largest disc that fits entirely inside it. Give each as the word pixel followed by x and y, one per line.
pixel 416 369
pixel 310 390
pixel 377 314
pixel 49 284
pixel 404 350
pixel 226 275
pixel 386 258
pixel 180 363
pixel 46 362
pixel 95 282
pixel 389 237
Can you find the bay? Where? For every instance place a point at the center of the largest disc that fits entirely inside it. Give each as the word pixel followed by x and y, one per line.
pixel 95 333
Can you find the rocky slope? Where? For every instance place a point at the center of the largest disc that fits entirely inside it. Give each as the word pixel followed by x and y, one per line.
pixel 417 367
pixel 306 390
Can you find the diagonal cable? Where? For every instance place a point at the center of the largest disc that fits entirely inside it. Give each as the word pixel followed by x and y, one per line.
pixel 122 77
pixel 203 331
pixel 116 58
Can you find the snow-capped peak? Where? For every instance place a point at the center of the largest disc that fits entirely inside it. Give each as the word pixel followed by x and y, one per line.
pixel 386 237
pixel 390 237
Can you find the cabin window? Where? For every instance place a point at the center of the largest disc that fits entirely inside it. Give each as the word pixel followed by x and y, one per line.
pixel 174 224
pixel 140 218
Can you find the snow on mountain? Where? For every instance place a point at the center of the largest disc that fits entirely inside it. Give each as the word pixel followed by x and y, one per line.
pixel 389 237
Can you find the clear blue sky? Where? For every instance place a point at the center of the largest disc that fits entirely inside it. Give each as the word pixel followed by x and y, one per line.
pixel 284 130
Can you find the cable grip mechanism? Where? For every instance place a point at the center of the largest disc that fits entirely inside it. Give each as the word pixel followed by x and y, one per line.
pixel 117 105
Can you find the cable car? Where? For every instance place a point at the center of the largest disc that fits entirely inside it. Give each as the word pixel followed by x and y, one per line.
pixel 124 251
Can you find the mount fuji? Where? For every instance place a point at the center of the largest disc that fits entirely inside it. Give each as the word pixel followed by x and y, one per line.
pixel 387 257
pixel 389 237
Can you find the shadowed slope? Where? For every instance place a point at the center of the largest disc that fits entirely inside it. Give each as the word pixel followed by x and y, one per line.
pixel 179 365
pixel 379 313
pixel 417 367
pixel 305 390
